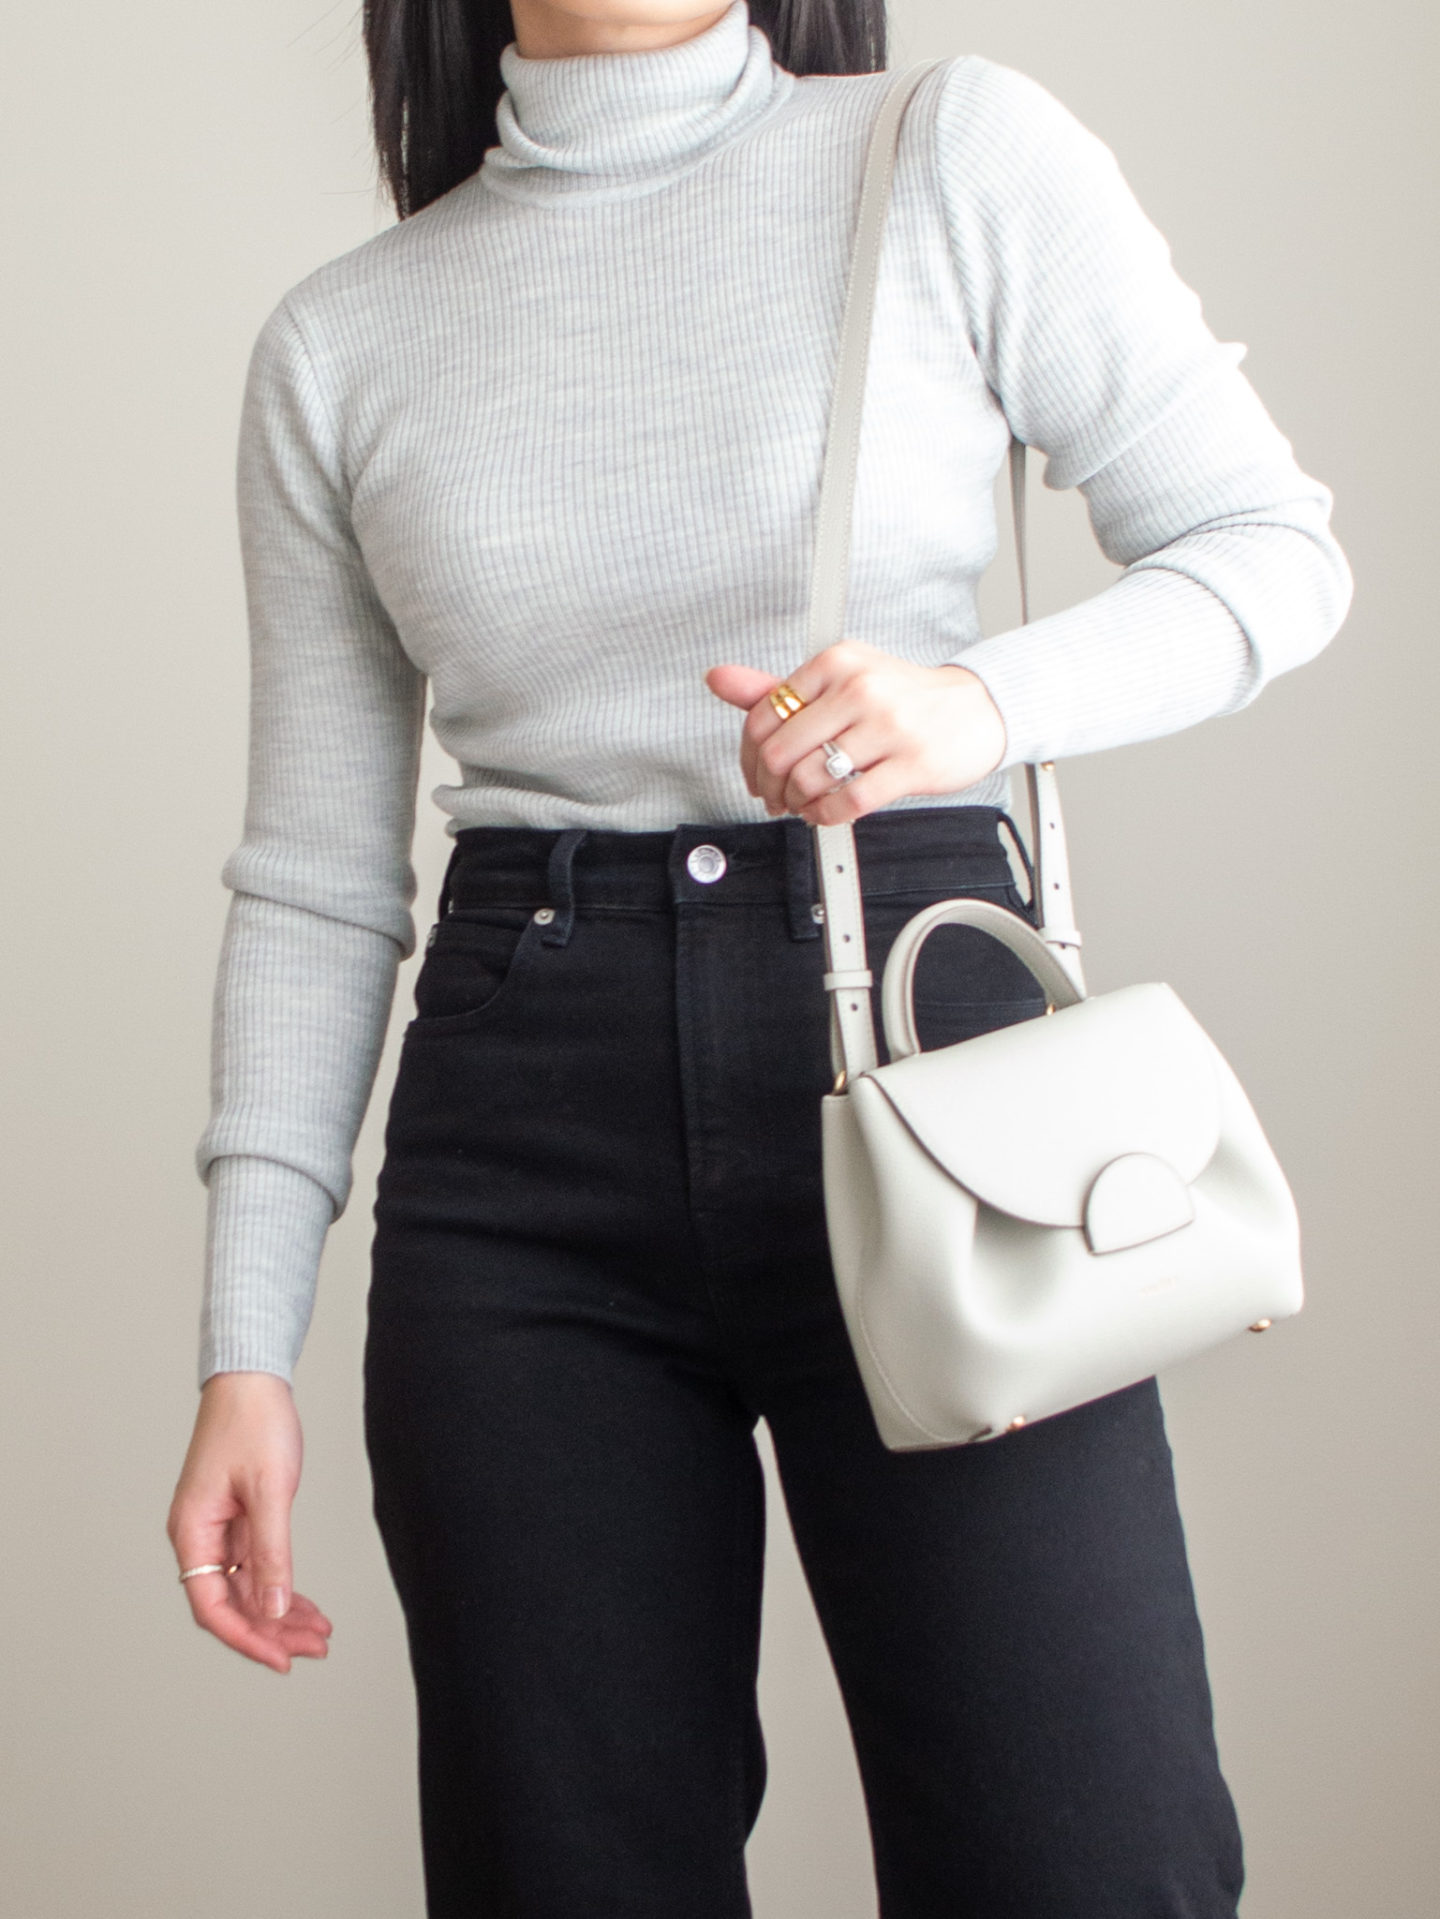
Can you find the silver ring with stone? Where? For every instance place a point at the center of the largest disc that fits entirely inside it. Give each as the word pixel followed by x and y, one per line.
pixel 838 763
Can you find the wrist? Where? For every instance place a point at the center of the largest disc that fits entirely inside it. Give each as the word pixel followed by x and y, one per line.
pixel 982 721
pixel 244 1415
pixel 236 1386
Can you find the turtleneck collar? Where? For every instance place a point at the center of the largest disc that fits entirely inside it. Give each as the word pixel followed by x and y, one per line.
pixel 612 125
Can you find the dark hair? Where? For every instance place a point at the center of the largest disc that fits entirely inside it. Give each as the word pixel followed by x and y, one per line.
pixel 435 76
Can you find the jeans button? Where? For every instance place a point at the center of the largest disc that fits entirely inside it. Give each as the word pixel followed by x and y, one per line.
pixel 706 864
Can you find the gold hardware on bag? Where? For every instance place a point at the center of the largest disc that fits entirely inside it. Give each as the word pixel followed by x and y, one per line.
pixel 1262 1326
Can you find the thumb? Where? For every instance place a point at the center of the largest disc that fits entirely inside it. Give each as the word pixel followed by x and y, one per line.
pixel 268 1517
pixel 740 685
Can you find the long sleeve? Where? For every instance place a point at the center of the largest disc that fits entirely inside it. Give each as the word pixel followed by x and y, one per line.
pixel 1100 357
pixel 322 881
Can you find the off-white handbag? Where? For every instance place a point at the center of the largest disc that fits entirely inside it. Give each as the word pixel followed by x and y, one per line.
pixel 1032 1218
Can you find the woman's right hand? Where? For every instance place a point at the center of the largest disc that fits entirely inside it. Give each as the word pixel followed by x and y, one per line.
pixel 232 1502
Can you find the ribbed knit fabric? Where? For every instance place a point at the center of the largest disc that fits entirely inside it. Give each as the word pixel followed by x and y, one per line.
pixel 552 448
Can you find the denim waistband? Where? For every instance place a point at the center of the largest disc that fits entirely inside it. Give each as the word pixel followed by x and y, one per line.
pixel 911 850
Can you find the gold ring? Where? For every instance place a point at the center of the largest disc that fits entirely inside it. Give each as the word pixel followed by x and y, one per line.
pixel 194 1572
pixel 785 700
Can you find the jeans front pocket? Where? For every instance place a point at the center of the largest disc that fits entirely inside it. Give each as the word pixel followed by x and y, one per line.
pixel 471 961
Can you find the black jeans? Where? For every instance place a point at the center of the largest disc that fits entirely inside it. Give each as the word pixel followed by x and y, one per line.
pixel 600 1259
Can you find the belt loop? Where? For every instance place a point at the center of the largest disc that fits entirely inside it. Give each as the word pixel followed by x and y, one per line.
pixel 442 905
pixel 802 888
pixel 561 880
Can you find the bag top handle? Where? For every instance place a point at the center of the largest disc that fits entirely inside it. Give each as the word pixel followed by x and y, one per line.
pixel 847 978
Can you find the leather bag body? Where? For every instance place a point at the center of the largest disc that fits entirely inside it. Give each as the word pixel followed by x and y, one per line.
pixel 1046 1213
pixel 1041 1215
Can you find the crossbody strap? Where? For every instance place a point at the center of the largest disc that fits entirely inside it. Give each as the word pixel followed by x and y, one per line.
pixel 1054 906
pixel 847 977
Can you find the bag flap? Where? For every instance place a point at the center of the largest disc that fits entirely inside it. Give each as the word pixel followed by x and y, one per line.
pixel 1027 1117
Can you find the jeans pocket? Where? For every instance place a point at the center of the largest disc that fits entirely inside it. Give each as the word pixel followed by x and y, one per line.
pixel 470 961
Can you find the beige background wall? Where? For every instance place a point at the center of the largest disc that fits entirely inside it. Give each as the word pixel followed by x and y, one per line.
pixel 170 170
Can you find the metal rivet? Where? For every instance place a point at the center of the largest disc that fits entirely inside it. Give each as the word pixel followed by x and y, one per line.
pixel 544 915
pixel 1261 1326
pixel 817 913
pixel 706 864
pixel 1016 1423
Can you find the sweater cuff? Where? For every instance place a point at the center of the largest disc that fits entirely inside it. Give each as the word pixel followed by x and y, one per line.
pixel 265 1229
pixel 1153 653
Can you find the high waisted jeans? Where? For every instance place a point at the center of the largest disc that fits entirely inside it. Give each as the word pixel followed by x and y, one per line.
pixel 600 1259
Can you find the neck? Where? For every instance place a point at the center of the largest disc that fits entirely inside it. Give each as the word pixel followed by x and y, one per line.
pixel 544 31
pixel 615 125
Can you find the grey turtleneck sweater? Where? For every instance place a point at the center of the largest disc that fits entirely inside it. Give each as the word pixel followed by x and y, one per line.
pixel 552 447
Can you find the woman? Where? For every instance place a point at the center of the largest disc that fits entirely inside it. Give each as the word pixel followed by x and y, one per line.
pixel 550 446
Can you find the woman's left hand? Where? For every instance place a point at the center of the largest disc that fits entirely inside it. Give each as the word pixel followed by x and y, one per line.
pixel 908 729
